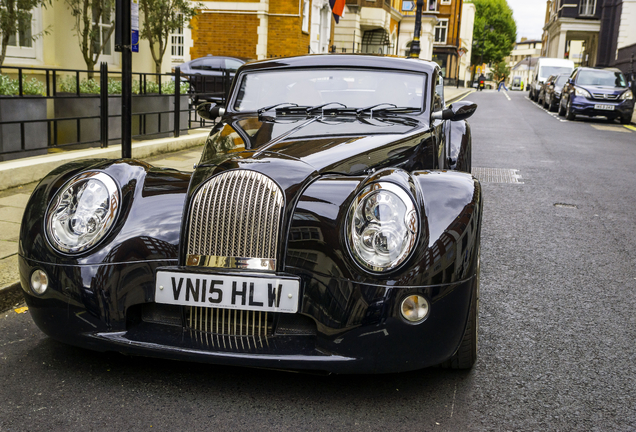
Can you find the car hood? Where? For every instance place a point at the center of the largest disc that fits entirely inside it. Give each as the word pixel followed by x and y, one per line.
pixel 328 145
pixel 603 89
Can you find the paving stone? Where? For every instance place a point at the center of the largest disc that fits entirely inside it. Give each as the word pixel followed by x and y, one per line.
pixel 9 270
pixel 11 214
pixel 9 231
pixel 8 248
pixel 17 200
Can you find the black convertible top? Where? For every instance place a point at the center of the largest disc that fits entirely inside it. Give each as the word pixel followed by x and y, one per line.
pixel 344 60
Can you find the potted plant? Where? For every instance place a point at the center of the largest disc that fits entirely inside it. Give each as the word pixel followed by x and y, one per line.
pixel 15 108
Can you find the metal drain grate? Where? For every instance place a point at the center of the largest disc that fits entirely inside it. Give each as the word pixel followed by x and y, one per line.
pixel 496 175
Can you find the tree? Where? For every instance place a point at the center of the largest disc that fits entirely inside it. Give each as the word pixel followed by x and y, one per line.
pixel 494 33
pixel 93 27
pixel 501 70
pixel 162 17
pixel 15 16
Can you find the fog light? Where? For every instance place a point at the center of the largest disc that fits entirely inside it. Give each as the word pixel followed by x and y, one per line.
pixel 39 282
pixel 414 308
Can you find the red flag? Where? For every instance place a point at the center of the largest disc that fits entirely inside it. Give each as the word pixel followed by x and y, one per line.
pixel 337 8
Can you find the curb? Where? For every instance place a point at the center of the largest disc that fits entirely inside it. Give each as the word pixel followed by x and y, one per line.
pixel 459 96
pixel 27 170
pixel 10 296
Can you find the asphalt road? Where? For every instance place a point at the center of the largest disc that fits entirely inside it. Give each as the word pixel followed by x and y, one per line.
pixel 557 324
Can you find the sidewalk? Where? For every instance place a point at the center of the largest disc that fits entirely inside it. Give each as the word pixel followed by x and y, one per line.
pixel 453 94
pixel 18 178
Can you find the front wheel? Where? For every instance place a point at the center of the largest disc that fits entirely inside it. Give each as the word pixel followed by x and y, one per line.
pixel 569 115
pixel 561 109
pixel 625 119
pixel 466 355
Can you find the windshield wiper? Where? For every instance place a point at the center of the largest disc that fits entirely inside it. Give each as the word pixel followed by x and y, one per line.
pixel 322 107
pixel 372 107
pixel 267 108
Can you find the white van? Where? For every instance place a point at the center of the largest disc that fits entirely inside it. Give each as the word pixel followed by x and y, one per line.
pixel 543 69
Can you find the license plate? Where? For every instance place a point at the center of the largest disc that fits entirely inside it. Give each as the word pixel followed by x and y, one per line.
pixel 604 107
pixel 268 294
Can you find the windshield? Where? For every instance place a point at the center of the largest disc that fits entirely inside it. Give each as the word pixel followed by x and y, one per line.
pixel 601 78
pixel 560 81
pixel 546 71
pixel 311 87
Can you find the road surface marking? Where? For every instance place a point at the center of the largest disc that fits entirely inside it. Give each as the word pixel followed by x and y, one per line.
pixel 630 127
pixel 610 128
pixel 551 114
pixel 506 95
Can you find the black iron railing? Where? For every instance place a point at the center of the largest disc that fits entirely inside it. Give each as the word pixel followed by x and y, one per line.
pixel 43 109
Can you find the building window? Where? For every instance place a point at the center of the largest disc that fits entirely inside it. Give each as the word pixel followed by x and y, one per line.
pixel 23 38
pixel 21 44
pixel 104 24
pixel 587 7
pixel 305 25
pixel 432 5
pixel 176 44
pixel 440 31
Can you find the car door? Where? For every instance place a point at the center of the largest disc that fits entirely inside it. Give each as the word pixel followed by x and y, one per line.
pixel 438 125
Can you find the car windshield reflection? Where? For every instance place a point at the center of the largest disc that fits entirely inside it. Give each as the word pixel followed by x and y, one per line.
pixel 352 88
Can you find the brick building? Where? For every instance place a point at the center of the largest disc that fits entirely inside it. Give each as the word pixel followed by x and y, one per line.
pixel 261 29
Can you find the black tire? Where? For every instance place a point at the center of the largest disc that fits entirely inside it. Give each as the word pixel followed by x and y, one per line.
pixel 569 115
pixel 551 106
pixel 561 109
pixel 625 120
pixel 466 355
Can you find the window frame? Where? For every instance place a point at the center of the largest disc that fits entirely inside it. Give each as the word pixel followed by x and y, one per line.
pixel 585 5
pixel 18 54
pixel 441 27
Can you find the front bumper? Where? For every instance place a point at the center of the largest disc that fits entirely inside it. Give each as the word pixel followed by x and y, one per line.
pixel 584 106
pixel 355 328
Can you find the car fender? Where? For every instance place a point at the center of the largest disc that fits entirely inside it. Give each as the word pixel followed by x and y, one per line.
pixel 459 145
pixel 449 205
pixel 151 208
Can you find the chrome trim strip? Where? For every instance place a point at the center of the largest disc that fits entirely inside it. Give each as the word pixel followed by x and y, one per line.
pixel 230 262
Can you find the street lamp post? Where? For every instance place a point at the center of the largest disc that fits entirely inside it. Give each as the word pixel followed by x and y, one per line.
pixel 415 45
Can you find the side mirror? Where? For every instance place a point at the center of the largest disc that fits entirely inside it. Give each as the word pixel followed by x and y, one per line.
pixel 570 81
pixel 210 111
pixel 455 112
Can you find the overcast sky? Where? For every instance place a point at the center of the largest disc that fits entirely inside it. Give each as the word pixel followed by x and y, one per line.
pixel 529 15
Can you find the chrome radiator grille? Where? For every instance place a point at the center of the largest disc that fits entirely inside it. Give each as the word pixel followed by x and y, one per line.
pixel 236 214
pixel 229 328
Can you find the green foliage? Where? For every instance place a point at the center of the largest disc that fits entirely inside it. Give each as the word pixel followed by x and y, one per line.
pixel 88 14
pixel 31 87
pixel 90 86
pixel 494 33
pixel 501 70
pixel 15 15
pixel 68 84
pixel 162 17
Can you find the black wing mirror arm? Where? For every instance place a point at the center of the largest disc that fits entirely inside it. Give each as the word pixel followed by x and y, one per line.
pixel 457 111
pixel 210 111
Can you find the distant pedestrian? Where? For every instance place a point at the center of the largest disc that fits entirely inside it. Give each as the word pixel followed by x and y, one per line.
pixel 502 83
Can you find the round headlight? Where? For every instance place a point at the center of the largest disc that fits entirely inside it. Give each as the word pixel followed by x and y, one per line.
pixel 82 212
pixel 382 226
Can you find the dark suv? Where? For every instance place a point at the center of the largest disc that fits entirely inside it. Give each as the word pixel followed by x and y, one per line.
pixel 210 77
pixel 597 92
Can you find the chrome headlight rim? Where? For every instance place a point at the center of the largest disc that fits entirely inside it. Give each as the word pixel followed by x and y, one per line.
pixel 411 222
pixel 114 200
pixel 626 95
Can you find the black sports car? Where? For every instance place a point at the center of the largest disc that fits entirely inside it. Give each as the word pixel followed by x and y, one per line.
pixel 332 224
